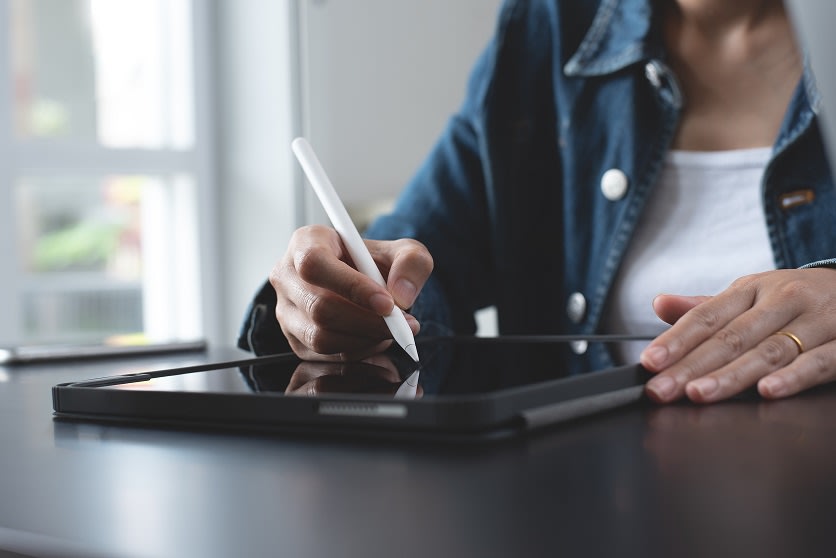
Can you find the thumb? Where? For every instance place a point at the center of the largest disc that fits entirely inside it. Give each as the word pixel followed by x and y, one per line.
pixel 672 307
pixel 406 264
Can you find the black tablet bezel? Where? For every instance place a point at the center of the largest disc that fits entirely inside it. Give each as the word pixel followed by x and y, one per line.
pixel 496 414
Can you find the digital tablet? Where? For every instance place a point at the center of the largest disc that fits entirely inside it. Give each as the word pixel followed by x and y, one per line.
pixel 463 388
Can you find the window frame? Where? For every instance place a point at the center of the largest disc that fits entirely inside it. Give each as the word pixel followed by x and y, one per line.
pixel 21 157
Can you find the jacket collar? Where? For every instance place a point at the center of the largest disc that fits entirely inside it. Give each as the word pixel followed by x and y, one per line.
pixel 618 37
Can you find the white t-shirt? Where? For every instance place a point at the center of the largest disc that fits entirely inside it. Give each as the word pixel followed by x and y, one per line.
pixel 703 227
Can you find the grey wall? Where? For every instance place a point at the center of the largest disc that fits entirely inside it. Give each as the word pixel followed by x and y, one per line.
pixel 380 80
pixel 814 23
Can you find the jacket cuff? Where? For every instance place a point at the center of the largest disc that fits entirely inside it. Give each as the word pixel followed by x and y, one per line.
pixel 260 331
pixel 831 263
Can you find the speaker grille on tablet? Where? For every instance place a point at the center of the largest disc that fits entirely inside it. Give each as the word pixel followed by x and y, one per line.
pixel 342 408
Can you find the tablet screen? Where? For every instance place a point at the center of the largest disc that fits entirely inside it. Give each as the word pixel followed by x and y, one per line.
pixel 449 366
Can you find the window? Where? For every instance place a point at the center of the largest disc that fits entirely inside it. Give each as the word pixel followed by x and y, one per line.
pixel 103 178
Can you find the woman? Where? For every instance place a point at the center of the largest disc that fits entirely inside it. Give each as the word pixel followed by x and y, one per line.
pixel 606 151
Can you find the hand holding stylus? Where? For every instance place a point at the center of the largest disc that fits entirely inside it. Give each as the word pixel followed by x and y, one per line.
pixel 360 255
pixel 328 310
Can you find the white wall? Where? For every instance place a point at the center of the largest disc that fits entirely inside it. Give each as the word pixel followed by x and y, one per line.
pixel 371 83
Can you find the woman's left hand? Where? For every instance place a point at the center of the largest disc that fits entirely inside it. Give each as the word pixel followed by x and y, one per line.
pixel 776 329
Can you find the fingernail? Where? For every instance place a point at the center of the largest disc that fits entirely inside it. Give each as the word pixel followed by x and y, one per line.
pixel 404 292
pixel 381 304
pixel 772 387
pixel 706 387
pixel 662 387
pixel 654 357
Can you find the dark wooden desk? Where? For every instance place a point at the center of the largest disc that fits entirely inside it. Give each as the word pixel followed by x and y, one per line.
pixel 743 478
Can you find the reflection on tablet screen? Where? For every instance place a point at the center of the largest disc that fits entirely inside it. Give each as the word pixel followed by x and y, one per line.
pixel 460 367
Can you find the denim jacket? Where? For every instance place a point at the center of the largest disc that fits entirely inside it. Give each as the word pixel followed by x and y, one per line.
pixel 510 201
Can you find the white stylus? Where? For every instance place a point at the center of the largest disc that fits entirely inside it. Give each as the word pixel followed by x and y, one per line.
pixel 351 238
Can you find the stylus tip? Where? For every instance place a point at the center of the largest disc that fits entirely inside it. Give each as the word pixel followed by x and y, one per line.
pixel 412 351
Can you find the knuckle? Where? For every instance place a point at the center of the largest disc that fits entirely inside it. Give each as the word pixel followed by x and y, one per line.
pixel 416 252
pixel 793 290
pixel 313 338
pixel 822 365
pixel 732 340
pixel 705 319
pixel 314 306
pixel 358 291
pixel 307 262
pixel 308 336
pixel 773 351
pixel 745 283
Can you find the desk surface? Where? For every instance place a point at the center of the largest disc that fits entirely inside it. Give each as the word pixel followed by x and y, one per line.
pixel 742 478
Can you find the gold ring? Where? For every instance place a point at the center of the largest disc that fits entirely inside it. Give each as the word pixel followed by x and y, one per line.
pixel 794 338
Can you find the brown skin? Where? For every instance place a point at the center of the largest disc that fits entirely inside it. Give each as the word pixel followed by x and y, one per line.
pixel 737 63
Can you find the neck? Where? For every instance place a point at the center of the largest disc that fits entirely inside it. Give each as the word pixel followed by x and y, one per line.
pixel 715 17
pixel 735 31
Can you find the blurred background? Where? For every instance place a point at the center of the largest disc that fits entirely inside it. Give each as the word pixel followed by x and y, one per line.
pixel 147 181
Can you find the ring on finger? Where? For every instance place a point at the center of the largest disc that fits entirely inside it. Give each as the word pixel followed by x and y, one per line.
pixel 794 338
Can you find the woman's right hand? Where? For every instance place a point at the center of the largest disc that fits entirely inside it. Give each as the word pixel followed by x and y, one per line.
pixel 330 311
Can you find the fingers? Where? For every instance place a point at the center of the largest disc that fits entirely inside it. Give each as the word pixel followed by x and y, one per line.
pixel 327 309
pixel 317 256
pixel 311 342
pixel 694 330
pixel 818 366
pixel 772 354
pixel 729 343
pixel 405 262
pixel 670 308
pixel 319 323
